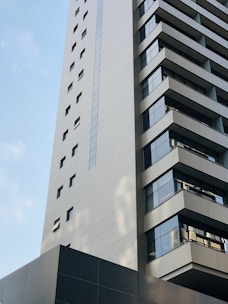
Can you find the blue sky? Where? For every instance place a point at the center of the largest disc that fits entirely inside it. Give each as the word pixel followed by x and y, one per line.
pixel 32 34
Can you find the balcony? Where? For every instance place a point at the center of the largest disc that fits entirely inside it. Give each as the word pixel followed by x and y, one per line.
pixel 194 266
pixel 190 205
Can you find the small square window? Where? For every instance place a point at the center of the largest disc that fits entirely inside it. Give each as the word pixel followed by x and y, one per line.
pixel 70 86
pixel 56 225
pixel 72 66
pixel 75 28
pixel 62 162
pixel 77 122
pixel 67 110
pixel 77 11
pixel 69 214
pixel 73 47
pixel 78 97
pixel 81 74
pixel 82 53
pixel 65 134
pixel 84 16
pixel 72 180
pixel 59 191
pixel 84 33
pixel 74 150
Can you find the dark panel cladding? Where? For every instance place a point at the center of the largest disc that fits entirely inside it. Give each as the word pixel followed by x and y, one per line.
pixel 67 276
pixel 72 290
pixel 121 278
pixel 115 297
pixel 73 263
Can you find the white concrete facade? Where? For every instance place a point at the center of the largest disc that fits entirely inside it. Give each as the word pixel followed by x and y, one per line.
pixel 135 72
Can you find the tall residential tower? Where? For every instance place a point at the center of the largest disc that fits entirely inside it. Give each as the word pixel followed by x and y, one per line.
pixel 139 169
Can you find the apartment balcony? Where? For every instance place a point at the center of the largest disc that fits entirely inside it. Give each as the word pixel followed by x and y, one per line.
pixel 193 205
pixel 192 164
pixel 195 266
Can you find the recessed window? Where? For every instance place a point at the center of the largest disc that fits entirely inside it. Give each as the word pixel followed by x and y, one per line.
pixel 82 53
pixel 77 122
pixel 72 180
pixel 84 16
pixel 81 74
pixel 73 47
pixel 56 224
pixel 69 214
pixel 70 86
pixel 77 11
pixel 62 162
pixel 78 97
pixel 65 134
pixel 74 150
pixel 84 33
pixel 59 191
pixel 72 66
pixel 67 110
pixel 75 28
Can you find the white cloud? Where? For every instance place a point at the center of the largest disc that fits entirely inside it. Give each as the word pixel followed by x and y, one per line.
pixel 25 48
pixel 11 151
pixel 26 43
pixel 14 205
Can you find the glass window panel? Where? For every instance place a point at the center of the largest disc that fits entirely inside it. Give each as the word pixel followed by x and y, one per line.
pixel 165 243
pixel 158 248
pixel 165 192
pixel 147 156
pixel 169 225
pixel 146 121
pixel 149 203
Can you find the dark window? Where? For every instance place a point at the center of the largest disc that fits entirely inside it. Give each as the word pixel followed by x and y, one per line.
pixel 78 97
pixel 69 214
pixel 70 86
pixel 67 110
pixel 73 47
pixel 84 33
pixel 81 74
pixel 59 191
pixel 82 53
pixel 75 28
pixel 62 162
pixel 77 11
pixel 77 122
pixel 84 16
pixel 72 179
pixel 72 66
pixel 56 225
pixel 74 150
pixel 65 134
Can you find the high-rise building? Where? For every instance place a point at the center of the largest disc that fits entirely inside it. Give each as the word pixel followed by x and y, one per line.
pixel 139 170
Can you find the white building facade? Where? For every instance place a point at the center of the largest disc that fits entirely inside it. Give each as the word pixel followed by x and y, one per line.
pixel 139 169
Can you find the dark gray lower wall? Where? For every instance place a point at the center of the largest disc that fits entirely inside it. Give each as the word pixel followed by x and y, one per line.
pixel 68 276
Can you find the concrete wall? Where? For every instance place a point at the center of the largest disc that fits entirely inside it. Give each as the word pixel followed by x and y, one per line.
pixel 104 198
